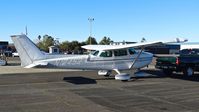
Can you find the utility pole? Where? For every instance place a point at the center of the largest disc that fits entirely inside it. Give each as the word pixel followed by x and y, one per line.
pixel 56 41
pixel 90 21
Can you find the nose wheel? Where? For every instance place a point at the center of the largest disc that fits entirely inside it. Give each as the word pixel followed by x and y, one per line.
pixel 122 77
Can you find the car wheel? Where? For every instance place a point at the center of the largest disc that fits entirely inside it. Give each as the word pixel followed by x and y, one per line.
pixel 188 71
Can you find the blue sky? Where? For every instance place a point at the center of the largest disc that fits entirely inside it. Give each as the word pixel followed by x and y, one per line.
pixel 120 20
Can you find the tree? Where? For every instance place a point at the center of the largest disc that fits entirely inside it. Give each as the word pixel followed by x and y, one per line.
pixel 75 45
pixel 91 40
pixel 82 43
pixel 105 41
pixel 64 46
pixel 46 42
pixel 71 47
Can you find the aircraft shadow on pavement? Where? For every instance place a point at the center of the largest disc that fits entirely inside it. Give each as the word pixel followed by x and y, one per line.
pixel 79 80
pixel 160 74
pixel 150 74
pixel 195 77
pixel 145 75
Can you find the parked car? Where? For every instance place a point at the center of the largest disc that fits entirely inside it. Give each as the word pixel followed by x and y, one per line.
pixel 187 62
pixel 2 62
pixel 15 54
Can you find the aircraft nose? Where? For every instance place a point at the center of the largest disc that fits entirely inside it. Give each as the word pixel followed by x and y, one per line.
pixel 150 54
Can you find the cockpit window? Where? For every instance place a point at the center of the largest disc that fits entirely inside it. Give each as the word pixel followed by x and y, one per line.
pixel 106 54
pixel 96 53
pixel 132 51
pixel 121 52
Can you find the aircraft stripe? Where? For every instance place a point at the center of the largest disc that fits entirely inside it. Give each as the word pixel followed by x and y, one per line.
pixel 140 59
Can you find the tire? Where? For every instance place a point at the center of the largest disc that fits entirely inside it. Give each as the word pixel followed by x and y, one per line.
pixel 108 74
pixel 188 71
pixel 124 80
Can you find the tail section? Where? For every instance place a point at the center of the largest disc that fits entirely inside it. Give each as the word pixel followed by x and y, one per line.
pixel 28 51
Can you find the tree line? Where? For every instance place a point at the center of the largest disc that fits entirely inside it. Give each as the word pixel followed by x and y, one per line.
pixel 68 46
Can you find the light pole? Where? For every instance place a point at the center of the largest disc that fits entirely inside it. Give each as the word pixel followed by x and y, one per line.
pixel 26 28
pixel 90 20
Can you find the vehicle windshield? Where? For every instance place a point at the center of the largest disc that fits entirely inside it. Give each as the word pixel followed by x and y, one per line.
pixel 189 52
pixel 95 53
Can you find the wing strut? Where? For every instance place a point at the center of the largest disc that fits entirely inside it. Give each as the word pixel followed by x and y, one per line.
pixel 142 48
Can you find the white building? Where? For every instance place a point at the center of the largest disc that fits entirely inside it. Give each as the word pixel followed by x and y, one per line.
pixel 53 50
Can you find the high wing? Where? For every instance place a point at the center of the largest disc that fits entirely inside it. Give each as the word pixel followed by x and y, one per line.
pixel 114 47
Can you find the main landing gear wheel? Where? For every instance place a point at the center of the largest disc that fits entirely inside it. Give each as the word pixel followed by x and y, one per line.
pixel 123 77
pixel 105 73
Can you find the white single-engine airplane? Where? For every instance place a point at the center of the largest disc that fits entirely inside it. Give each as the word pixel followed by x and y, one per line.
pixel 106 58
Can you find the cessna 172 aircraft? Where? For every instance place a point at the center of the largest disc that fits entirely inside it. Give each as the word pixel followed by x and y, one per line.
pixel 106 58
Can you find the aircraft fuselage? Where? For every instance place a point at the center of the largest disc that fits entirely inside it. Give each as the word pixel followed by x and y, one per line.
pixel 97 62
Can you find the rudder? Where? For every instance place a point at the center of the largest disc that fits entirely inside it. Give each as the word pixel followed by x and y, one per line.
pixel 28 51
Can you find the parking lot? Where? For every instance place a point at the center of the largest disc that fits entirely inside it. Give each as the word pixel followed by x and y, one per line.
pixel 54 90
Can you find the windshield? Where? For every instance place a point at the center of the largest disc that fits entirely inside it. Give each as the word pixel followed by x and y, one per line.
pixel 95 53
pixel 132 51
pixel 189 52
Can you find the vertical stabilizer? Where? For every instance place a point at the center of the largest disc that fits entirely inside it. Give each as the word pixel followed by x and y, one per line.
pixel 28 51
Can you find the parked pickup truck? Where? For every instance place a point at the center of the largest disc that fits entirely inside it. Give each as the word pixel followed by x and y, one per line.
pixel 187 62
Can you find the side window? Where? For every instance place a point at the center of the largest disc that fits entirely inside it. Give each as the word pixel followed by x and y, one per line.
pixel 132 51
pixel 106 54
pixel 184 52
pixel 197 51
pixel 96 53
pixel 121 52
pixel 189 52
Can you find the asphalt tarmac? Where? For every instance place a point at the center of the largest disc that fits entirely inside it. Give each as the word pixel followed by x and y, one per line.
pixel 54 90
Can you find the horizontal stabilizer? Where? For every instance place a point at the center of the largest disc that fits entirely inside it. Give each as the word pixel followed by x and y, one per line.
pixel 35 64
